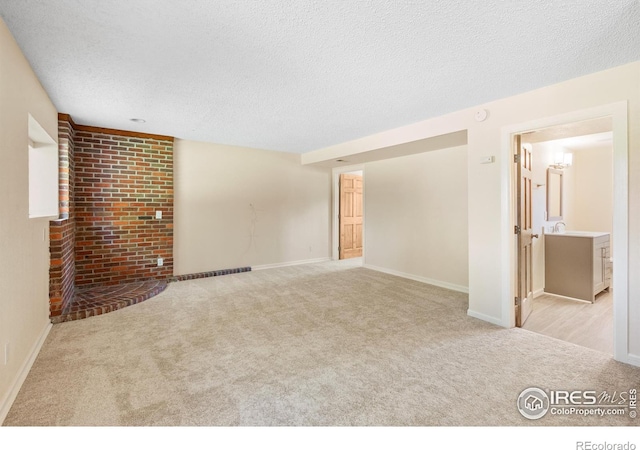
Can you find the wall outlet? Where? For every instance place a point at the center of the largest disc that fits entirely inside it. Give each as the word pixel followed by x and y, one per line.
pixel 158 214
pixel 160 262
pixel 6 353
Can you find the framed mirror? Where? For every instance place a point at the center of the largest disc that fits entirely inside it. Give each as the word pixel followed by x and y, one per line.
pixel 554 194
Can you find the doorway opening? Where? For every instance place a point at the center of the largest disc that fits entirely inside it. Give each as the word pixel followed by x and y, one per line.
pixel 620 249
pixel 570 191
pixel 350 220
pixel 348 214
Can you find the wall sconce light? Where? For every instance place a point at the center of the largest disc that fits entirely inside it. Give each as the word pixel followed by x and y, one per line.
pixel 562 160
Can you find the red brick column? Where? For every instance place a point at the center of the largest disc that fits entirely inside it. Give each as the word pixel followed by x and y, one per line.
pixel 62 231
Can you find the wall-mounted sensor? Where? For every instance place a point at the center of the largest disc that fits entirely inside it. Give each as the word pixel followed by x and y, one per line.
pixel 487 159
pixel 481 115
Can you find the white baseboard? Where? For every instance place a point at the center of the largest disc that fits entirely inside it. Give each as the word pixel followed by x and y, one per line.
pixel 486 318
pixel 442 284
pixel 581 300
pixel 630 358
pixel 11 395
pixel 290 263
pixel 538 293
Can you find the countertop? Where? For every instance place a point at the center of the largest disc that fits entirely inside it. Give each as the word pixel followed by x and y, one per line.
pixel 590 234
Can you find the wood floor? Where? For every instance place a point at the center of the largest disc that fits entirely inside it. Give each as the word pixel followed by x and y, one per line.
pixel 582 323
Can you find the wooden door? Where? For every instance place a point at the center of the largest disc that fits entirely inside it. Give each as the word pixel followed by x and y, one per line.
pixel 350 218
pixel 524 231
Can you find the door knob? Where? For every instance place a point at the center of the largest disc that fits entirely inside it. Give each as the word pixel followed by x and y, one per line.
pixel 534 236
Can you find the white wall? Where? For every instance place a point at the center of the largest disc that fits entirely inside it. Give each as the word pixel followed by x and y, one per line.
pixel 490 225
pixel 24 242
pixel 416 221
pixel 237 207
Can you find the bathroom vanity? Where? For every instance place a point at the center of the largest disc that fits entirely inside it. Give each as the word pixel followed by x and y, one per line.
pixel 577 264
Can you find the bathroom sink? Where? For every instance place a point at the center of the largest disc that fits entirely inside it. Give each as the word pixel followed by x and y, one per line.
pixel 582 233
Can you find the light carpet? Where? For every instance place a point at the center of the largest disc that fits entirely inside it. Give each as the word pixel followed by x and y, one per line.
pixel 317 344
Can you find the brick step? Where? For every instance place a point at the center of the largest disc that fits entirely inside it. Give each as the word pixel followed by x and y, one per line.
pixel 97 300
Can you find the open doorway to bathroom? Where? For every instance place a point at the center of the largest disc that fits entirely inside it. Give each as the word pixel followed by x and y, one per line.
pixel 572 213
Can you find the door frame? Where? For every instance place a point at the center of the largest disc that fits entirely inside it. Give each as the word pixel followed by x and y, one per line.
pixel 335 196
pixel 618 112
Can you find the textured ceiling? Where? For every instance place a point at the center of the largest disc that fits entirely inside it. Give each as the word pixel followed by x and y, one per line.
pixel 302 75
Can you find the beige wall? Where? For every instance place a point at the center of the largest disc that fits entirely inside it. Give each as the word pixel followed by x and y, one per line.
pixel 24 242
pixel 590 190
pixel 237 207
pixel 490 258
pixel 542 158
pixel 416 216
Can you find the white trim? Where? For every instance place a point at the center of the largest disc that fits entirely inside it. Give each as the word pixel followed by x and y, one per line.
pixel 618 112
pixel 632 359
pixel 490 319
pixel 442 284
pixel 538 293
pixel 11 395
pixel 620 250
pixel 579 300
pixel 507 221
pixel 290 263
pixel 335 208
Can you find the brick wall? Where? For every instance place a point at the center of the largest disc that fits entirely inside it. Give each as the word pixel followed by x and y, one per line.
pixel 62 267
pixel 121 180
pixel 62 231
